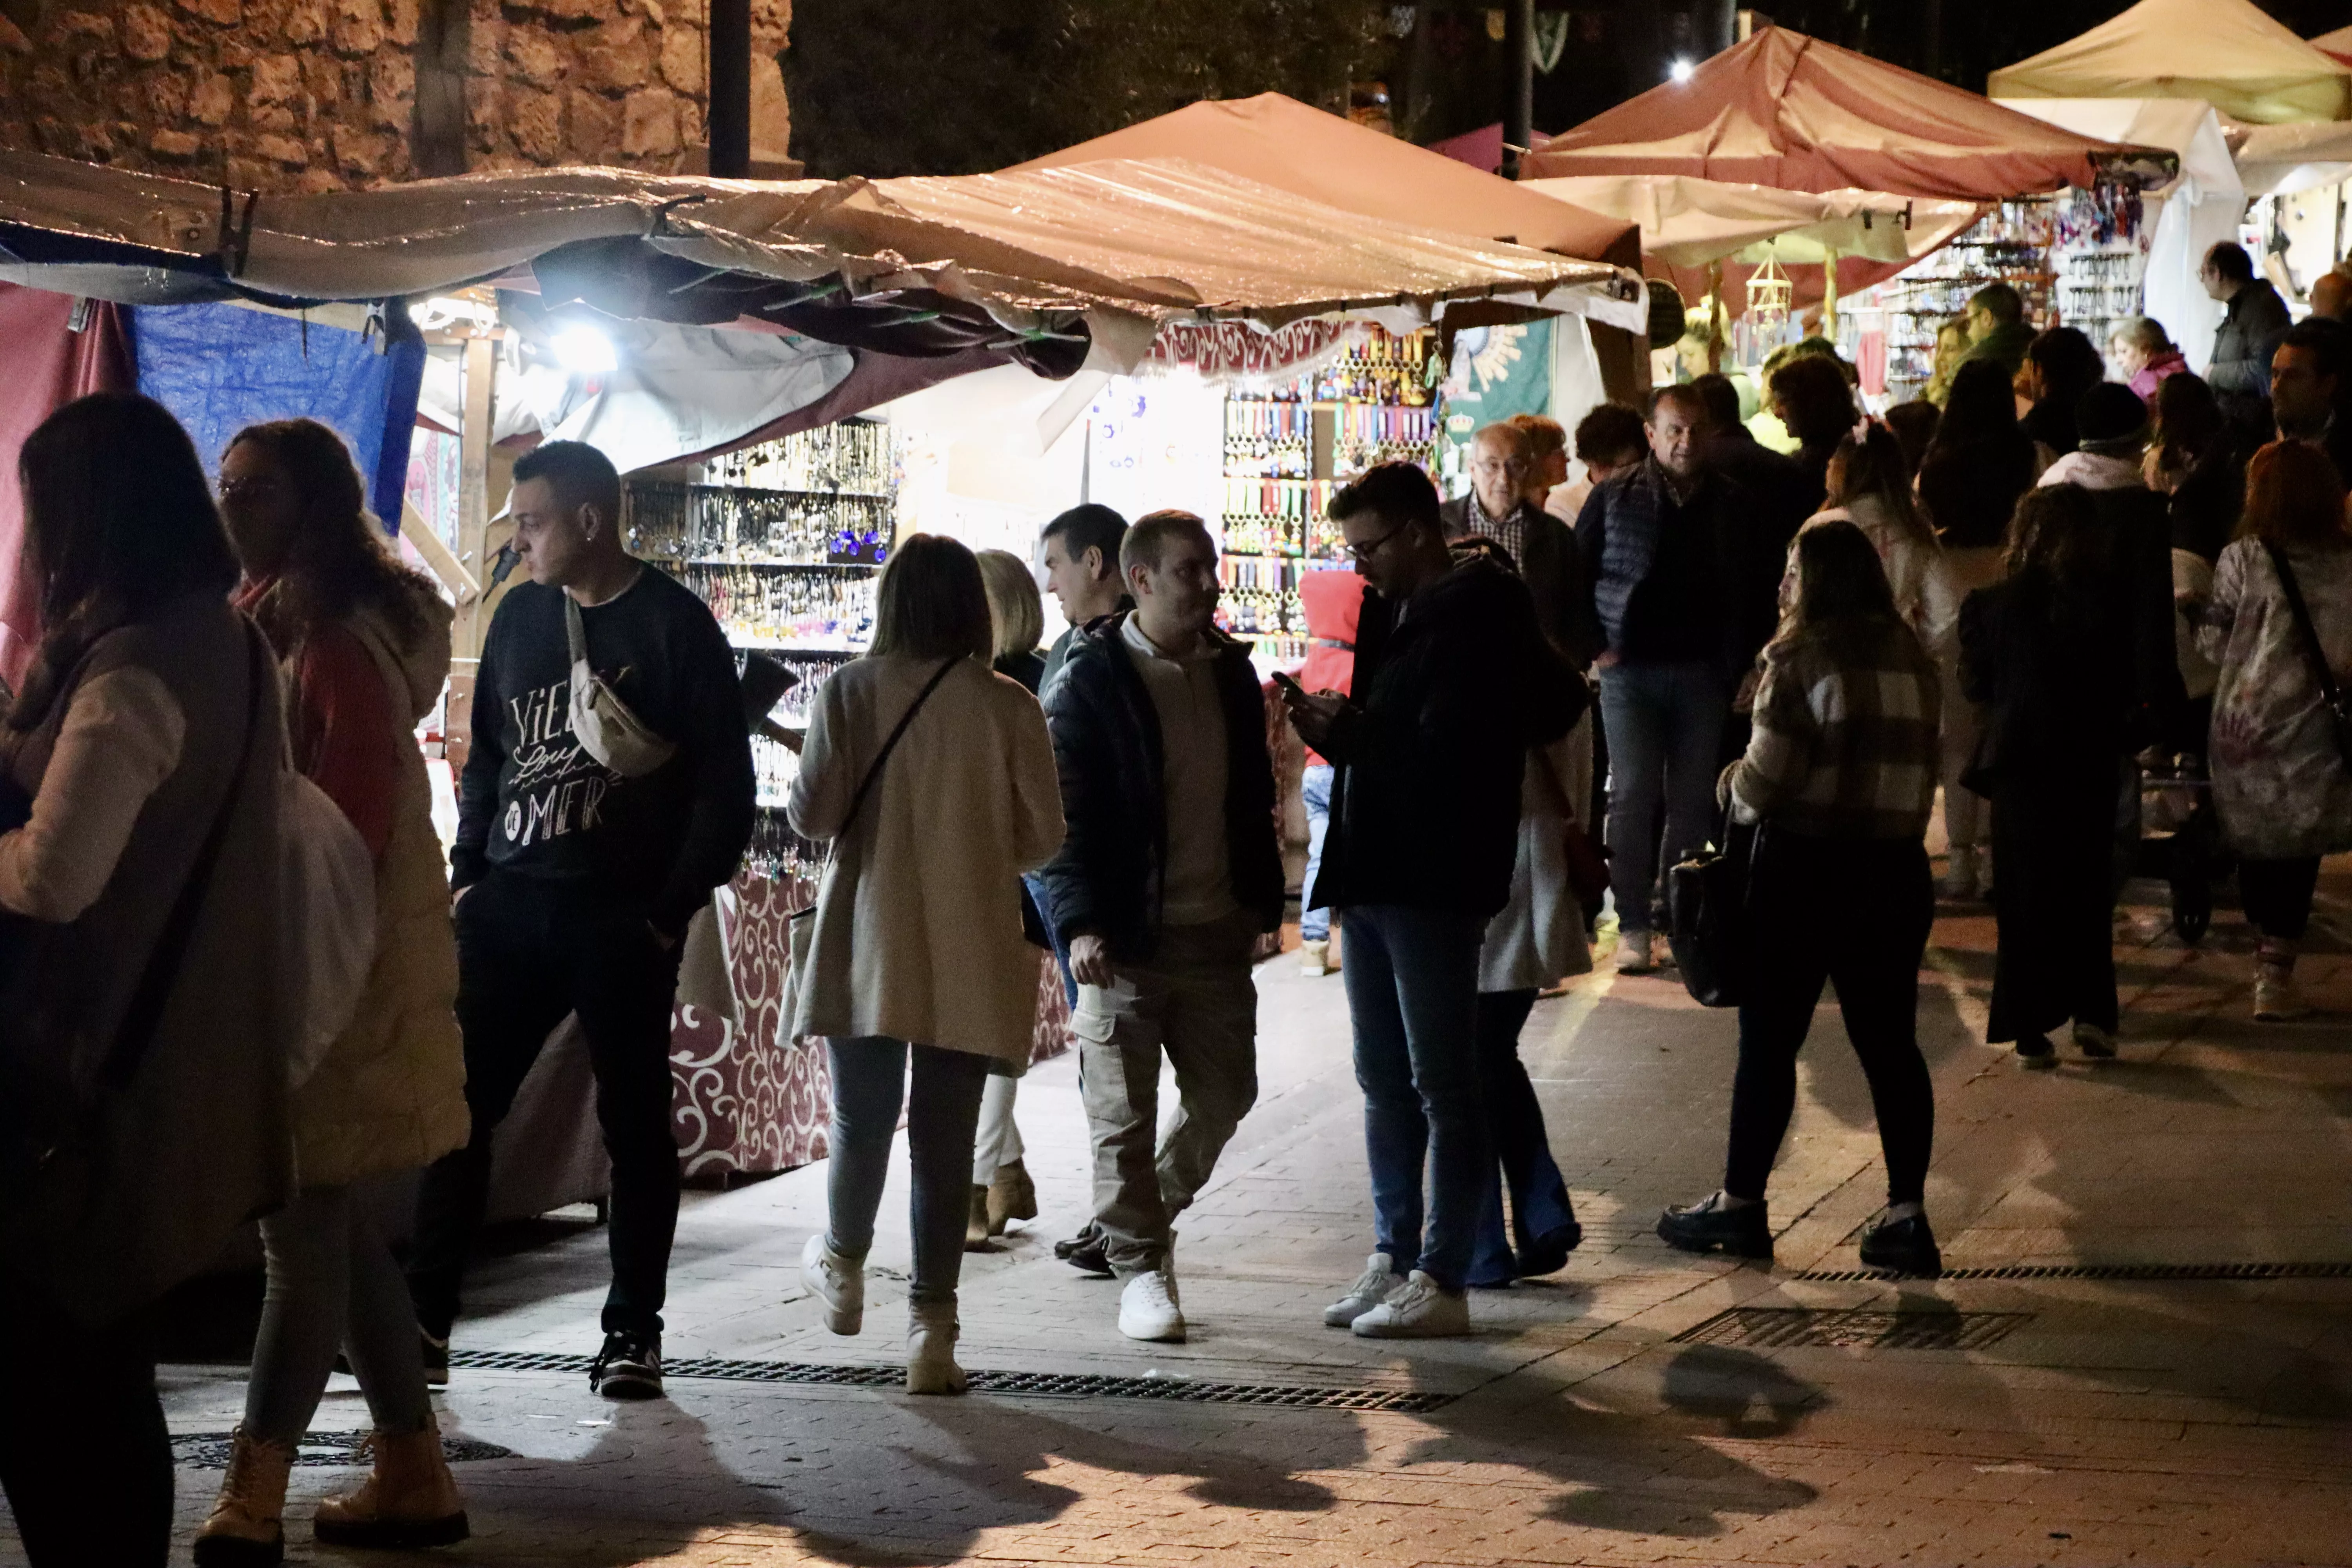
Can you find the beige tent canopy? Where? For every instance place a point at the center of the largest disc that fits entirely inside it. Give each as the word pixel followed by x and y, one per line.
pixel 1041 264
pixel 2337 43
pixel 1688 222
pixel 2225 52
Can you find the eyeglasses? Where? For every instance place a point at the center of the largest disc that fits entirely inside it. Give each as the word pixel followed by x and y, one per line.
pixel 245 489
pixel 1367 550
pixel 1506 465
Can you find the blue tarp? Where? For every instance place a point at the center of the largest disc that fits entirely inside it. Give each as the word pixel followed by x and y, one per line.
pixel 220 368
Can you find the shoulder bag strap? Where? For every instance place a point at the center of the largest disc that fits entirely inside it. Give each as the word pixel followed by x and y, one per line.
pixel 874 769
pixel 2314 651
pixel 146 1009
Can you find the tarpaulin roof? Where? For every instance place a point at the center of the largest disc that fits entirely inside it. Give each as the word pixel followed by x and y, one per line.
pixel 1035 265
pixel 2337 43
pixel 1788 111
pixel 2225 52
pixel 1280 142
pixel 1689 221
pixel 2275 160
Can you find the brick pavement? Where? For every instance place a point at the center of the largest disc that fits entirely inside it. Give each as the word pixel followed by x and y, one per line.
pixel 2199 1421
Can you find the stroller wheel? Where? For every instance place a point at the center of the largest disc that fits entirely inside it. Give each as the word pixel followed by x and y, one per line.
pixel 2192 906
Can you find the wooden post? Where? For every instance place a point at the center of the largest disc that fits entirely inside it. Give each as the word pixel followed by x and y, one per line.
pixel 474 491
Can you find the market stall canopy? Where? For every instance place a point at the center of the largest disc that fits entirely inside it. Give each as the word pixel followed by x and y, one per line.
pixel 2337 44
pixel 1039 266
pixel 1280 142
pixel 2197 211
pixel 2279 160
pixel 1688 222
pixel 2226 53
pixel 1789 111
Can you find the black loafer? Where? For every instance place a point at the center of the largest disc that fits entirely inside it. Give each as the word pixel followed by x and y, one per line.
pixel 1743 1232
pixel 1084 1252
pixel 1547 1254
pixel 2035 1052
pixel 1902 1246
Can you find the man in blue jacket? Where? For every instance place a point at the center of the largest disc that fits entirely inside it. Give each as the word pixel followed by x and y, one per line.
pixel 1169 874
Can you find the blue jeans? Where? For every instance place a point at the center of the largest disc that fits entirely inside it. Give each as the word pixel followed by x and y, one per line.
pixel 1515 1124
pixel 1315 790
pixel 1665 726
pixel 869 1083
pixel 1413 991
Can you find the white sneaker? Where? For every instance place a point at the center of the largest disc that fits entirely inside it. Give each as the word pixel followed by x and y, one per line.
pixel 1633 953
pixel 1148 1309
pixel 1376 1284
pixel 839 1282
pixel 1315 957
pixel 1422 1310
pixel 1960 880
pixel 2277 1000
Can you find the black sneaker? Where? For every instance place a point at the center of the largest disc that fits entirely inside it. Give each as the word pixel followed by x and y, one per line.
pixel 1084 1252
pixel 1743 1232
pixel 1547 1254
pixel 1902 1246
pixel 628 1367
pixel 2036 1053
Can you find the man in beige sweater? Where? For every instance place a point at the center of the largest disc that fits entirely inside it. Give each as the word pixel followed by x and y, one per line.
pixel 1168 874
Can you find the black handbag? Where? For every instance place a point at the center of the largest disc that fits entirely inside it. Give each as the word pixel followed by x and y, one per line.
pixel 2334 697
pixel 1707 917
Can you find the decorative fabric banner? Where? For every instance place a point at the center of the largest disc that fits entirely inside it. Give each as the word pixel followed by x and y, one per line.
pixel 1498 372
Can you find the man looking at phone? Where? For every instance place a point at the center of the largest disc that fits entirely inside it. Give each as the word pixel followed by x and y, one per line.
pixel 1454 682
pixel 1167 875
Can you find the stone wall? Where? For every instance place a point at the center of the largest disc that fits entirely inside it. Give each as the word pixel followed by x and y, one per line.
pixel 312 95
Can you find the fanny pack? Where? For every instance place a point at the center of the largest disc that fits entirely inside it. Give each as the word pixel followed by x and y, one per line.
pixel 601 723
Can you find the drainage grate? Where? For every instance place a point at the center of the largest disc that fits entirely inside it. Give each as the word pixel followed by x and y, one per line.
pixel 336 1450
pixel 1792 1327
pixel 1034 1385
pixel 2105 1272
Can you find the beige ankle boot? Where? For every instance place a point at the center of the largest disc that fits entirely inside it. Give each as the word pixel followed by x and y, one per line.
pixel 247 1529
pixel 410 1500
pixel 975 1222
pixel 930 1349
pixel 1013 1196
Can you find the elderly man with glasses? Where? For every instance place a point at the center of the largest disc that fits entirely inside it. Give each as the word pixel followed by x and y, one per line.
pixel 1500 507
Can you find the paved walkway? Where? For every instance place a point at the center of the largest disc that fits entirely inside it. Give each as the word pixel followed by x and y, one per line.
pixel 1611 1415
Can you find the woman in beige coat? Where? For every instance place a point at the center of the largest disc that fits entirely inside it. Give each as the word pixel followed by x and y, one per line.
pixel 363 644
pixel 933 779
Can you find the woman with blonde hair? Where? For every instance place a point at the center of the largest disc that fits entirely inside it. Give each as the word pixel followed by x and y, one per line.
pixel 1002 1191
pixel 364 644
pixel 932 778
pixel 2280 626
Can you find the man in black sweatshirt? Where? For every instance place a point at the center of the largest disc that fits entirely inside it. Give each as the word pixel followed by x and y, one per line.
pixel 601 804
pixel 1454 682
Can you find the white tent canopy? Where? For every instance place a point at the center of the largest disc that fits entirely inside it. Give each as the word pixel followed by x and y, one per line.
pixel 2226 53
pixel 1690 222
pixel 2198 210
pixel 2279 160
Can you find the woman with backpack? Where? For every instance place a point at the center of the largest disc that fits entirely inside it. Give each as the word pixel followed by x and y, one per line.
pixel 1840 778
pixel 142 1073
pixel 933 779
pixel 2281 755
pixel 363 645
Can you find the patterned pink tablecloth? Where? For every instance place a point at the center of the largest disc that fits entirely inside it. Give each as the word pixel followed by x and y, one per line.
pixel 750 1102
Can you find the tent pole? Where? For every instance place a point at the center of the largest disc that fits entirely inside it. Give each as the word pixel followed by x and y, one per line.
pixel 729 119
pixel 1519 52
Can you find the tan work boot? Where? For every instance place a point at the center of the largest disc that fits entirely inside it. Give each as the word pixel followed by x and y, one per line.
pixel 247 1529
pixel 1013 1196
pixel 409 1501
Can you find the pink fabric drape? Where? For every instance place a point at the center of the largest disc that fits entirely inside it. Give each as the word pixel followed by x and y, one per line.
pixel 48 365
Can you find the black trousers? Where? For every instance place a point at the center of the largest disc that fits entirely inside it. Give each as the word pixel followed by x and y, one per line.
pixel 84 1454
pixel 2277 895
pixel 1856 911
pixel 529 952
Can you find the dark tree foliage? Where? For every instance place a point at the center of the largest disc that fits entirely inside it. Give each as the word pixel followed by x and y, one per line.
pixel 955 86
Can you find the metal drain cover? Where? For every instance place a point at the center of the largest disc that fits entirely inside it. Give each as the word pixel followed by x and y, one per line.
pixel 1792 1327
pixel 1030 1384
pixel 332 1450
pixel 2124 1272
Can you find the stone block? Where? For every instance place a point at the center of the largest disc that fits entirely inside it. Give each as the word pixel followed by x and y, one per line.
pixel 685 58
pixel 83 27
pixel 286 151
pixel 485 113
pixel 174 144
pixel 362 154
pixel 401 21
pixel 357 26
pixel 253 174
pixel 650 124
pixel 324 78
pixel 306 22
pixel 596 127
pixel 486 33
pixel 576 10
pixel 619 57
pixel 392 90
pixel 535 59
pixel 211 99
pixel 226 13
pixel 318 183
pixel 163 95
pixel 13 39
pixel 277 79
pixel 146 33
pixel 535 121
pixel 270 117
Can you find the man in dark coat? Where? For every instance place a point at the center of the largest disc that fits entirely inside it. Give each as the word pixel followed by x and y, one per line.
pixel 1455 681
pixel 2253 320
pixel 1540 544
